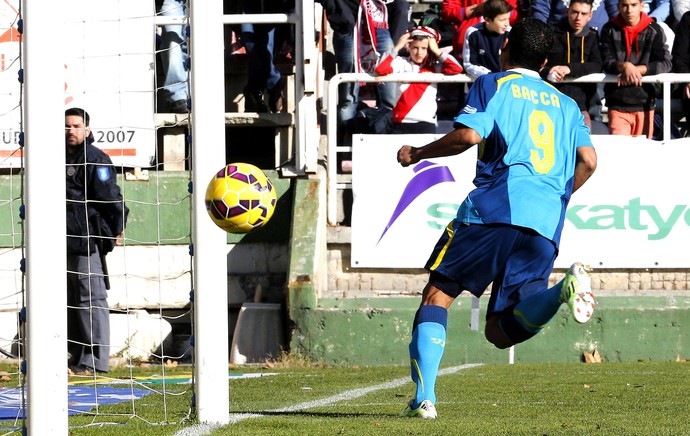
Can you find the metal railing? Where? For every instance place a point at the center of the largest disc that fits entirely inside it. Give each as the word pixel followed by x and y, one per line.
pixel 306 75
pixel 332 109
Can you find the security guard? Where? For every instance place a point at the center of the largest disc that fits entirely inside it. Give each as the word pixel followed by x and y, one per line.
pixel 96 217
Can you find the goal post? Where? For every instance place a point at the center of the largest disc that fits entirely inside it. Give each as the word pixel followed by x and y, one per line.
pixel 211 349
pixel 46 314
pixel 44 51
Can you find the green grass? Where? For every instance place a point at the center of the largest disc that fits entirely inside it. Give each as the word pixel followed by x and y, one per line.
pixel 525 399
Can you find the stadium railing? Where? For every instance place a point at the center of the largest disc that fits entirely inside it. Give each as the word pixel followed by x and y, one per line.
pixel 306 57
pixel 666 80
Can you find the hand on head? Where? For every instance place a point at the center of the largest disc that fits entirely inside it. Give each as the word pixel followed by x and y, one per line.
pixel 403 41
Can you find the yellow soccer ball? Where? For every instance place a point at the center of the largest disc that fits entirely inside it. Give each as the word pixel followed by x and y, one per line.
pixel 240 198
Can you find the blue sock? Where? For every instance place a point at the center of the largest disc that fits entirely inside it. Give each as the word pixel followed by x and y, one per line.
pixel 426 350
pixel 536 311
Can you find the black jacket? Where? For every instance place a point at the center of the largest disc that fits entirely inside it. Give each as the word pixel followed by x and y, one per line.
pixel 681 46
pixel 580 52
pixel 681 55
pixel 649 48
pixel 96 212
pixel 341 14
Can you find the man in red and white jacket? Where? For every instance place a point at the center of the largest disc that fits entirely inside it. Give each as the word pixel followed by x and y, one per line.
pixel 415 107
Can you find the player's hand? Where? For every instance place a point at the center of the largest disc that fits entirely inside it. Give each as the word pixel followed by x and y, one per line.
pixel 119 239
pixel 407 155
pixel 687 91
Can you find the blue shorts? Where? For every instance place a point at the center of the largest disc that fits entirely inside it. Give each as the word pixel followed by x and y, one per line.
pixel 469 257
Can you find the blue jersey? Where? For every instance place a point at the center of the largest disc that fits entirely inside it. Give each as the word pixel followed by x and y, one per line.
pixel 526 162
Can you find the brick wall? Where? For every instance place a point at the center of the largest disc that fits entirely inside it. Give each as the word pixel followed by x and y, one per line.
pixel 344 281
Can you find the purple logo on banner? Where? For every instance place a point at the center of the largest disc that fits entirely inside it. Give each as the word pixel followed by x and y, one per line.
pixel 427 175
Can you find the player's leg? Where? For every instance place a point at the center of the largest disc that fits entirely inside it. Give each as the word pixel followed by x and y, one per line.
pixel 426 349
pixel 521 302
pixel 457 253
pixel 526 278
pixel 577 292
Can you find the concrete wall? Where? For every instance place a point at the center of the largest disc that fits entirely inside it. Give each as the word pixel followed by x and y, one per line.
pixel 377 331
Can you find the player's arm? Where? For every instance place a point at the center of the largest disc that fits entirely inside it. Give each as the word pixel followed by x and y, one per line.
pixel 454 142
pixel 585 166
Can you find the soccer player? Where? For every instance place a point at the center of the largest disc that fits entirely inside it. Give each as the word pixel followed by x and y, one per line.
pixel 534 152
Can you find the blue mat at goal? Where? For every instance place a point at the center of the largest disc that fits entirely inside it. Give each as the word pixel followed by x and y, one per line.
pixel 80 399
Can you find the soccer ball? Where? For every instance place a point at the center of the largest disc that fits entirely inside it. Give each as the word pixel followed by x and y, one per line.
pixel 240 198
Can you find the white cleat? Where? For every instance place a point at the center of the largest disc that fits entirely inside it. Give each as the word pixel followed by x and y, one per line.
pixel 577 292
pixel 426 410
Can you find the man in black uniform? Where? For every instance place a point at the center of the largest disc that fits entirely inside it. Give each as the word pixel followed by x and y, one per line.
pixel 96 217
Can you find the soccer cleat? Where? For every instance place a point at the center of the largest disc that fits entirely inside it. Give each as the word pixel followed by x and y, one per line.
pixel 426 410
pixel 577 292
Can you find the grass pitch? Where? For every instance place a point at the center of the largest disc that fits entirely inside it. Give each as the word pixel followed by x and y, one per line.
pixel 522 399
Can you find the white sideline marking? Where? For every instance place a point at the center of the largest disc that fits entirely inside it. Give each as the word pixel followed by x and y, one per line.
pixel 347 395
pixel 201 429
pixel 197 430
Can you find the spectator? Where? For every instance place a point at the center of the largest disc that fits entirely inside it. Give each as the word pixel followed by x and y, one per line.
pixel 660 10
pixel 465 14
pixel 399 18
pixel 360 34
pixel 681 62
pixel 680 7
pixel 96 217
pixel 633 45
pixel 415 107
pixel 575 53
pixel 262 74
pixel 174 59
pixel 553 11
pixel 484 41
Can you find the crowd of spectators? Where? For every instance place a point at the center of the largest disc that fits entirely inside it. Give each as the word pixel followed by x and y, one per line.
pixel 626 38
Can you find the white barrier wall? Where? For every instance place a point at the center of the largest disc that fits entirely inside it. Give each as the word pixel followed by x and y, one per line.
pixel 633 213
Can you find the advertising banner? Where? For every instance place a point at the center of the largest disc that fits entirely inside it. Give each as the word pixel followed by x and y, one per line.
pixel 634 212
pixel 109 72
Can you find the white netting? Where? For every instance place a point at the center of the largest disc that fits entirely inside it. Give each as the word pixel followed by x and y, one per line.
pixel 110 70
